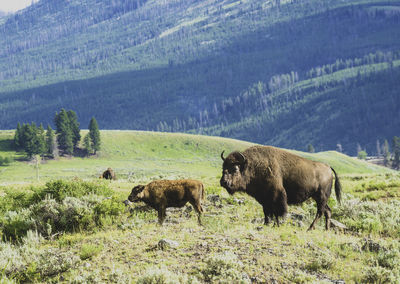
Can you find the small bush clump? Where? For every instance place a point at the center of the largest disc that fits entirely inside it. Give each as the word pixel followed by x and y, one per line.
pixel 90 250
pixel 372 217
pixel 323 260
pixel 378 274
pixel 60 189
pixel 15 224
pixel 224 268
pixel 27 262
pixel 62 206
pixel 156 275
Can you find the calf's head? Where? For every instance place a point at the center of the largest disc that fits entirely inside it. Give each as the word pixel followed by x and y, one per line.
pixel 233 168
pixel 136 193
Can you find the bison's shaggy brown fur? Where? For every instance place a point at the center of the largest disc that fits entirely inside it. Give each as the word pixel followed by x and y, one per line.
pixel 109 174
pixel 161 194
pixel 276 178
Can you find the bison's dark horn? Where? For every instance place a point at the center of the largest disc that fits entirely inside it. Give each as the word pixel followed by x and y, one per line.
pixel 243 159
pixel 222 156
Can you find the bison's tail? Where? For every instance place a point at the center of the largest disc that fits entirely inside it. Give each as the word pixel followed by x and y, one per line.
pixel 203 192
pixel 338 187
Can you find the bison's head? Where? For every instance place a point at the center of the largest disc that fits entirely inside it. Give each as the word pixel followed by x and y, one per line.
pixel 233 172
pixel 136 194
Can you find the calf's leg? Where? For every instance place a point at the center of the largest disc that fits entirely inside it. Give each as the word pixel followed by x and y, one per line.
pixel 161 214
pixel 198 208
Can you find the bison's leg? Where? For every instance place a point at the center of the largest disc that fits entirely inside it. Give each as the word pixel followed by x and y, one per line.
pixel 161 214
pixel 198 208
pixel 321 208
pixel 267 215
pixel 280 205
pixel 328 214
pixel 319 214
pixel 277 221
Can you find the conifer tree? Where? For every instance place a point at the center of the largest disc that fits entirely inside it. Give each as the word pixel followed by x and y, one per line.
pixel 30 139
pixel 18 137
pixel 396 152
pixel 88 144
pixel 50 143
pixel 386 153
pixel 94 134
pixel 74 126
pixel 64 132
pixel 41 141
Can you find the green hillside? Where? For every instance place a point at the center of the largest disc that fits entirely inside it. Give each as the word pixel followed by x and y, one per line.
pixel 357 105
pixel 180 66
pixel 138 156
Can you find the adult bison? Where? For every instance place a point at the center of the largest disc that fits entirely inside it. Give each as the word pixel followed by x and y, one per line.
pixel 161 194
pixel 276 178
pixel 109 174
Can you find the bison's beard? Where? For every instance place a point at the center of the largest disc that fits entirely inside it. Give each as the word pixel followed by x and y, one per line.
pixel 228 186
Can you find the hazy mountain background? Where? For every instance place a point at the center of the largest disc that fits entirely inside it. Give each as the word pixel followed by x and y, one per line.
pixel 284 73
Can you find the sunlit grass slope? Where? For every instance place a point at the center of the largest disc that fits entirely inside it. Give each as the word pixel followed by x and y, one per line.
pixel 138 156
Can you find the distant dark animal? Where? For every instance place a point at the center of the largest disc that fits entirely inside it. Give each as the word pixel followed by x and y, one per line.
pixel 276 178
pixel 161 194
pixel 109 174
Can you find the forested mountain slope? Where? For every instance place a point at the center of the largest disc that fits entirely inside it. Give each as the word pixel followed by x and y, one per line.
pixel 186 65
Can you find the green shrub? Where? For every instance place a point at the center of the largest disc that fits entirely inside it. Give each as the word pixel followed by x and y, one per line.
pixel 373 217
pixel 15 199
pixel 108 210
pixel 322 260
pixel 85 276
pixel 224 268
pixel 49 262
pixel 362 155
pixel 60 189
pixel 76 214
pixel 5 161
pixel 47 216
pixel 27 262
pixel 377 274
pixel 299 276
pixel 390 259
pixel 61 206
pixel 119 276
pixel 155 275
pixel 90 250
pixel 366 222
pixel 15 224
pixel 11 261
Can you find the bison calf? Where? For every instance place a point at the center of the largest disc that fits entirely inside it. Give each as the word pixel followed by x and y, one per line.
pixel 161 194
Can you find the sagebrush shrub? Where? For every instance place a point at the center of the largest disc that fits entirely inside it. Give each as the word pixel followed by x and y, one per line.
pixel 372 217
pixel 156 275
pixel 60 189
pixel 76 214
pixel 322 260
pixel 377 274
pixel 90 250
pixel 28 262
pixel 15 224
pixel 108 210
pixel 224 268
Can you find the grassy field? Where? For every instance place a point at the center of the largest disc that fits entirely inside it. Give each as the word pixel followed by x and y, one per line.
pixel 84 236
